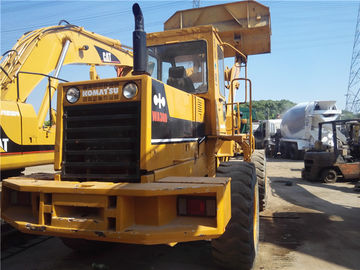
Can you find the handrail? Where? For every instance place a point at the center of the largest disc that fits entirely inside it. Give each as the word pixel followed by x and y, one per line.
pixel 238 103
pixel 32 73
pixel 236 50
pixel 49 86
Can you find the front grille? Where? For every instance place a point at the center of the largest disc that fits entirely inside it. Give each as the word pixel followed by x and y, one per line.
pixel 102 142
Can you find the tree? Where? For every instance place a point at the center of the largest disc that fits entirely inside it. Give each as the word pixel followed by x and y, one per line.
pixel 348 115
pixel 269 109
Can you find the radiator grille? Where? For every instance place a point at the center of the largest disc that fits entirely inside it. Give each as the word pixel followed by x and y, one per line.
pixel 102 142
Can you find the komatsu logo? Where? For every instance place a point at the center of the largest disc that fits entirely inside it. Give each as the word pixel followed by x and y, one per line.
pixel 100 92
pixel 159 101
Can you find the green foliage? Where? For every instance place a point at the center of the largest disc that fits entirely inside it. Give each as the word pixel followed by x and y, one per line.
pixel 269 109
pixel 47 123
pixel 348 115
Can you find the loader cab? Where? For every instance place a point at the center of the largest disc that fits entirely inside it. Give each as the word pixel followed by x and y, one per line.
pixel 182 65
pixel 192 60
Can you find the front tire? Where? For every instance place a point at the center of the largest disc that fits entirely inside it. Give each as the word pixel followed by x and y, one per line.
pixel 237 247
pixel 329 176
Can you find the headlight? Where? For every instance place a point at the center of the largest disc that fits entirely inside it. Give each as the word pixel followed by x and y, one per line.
pixel 130 90
pixel 72 95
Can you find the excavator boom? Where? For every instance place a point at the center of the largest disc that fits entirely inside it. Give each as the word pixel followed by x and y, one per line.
pixel 25 140
pixel 47 49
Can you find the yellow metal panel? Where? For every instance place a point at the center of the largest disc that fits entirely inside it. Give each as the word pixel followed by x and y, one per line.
pixel 78 223
pixel 190 108
pixel 184 169
pixel 31 135
pixel 29 124
pixel 80 200
pixel 41 209
pixel 141 213
pixel 226 149
pixel 245 25
pixel 143 216
pixel 108 188
pixel 10 162
pixel 60 128
pixel 182 229
pixel 125 212
pixel 145 140
pixel 180 103
pixel 224 202
pixel 10 122
pixel 165 210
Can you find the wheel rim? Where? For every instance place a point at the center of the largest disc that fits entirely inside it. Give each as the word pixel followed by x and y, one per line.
pixel 331 176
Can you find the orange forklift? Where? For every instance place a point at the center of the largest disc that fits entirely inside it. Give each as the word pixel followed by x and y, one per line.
pixel 341 160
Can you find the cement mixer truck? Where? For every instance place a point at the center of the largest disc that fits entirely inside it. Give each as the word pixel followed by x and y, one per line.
pixel 299 127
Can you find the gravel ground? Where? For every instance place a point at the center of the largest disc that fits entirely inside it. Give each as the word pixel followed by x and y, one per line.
pixel 306 226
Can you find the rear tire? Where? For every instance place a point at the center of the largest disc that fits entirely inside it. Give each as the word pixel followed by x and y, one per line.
pixel 293 152
pixel 259 160
pixel 329 176
pixel 237 247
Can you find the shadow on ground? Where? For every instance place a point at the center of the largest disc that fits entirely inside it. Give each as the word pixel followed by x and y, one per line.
pixel 195 255
pixel 312 225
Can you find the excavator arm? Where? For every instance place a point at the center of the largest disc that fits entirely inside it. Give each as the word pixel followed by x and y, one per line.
pixel 48 49
pixel 37 55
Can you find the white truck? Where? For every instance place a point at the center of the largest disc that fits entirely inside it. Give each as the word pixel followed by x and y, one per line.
pixel 265 135
pixel 299 127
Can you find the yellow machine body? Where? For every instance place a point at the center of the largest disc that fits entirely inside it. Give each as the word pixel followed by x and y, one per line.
pixel 25 140
pixel 126 164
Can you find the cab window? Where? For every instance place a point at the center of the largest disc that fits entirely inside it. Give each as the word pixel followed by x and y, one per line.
pixel 181 65
pixel 221 70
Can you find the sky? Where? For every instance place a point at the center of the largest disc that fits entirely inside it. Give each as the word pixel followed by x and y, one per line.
pixel 311 42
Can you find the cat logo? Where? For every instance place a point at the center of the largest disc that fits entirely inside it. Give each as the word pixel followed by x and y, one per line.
pixel 106 57
pixel 4 144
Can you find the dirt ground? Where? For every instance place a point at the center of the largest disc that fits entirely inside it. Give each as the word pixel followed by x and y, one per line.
pixel 306 226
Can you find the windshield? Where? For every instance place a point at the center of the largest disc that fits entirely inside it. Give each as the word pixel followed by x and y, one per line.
pixel 181 65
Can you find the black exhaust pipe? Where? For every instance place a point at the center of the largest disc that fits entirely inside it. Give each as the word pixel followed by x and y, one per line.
pixel 139 42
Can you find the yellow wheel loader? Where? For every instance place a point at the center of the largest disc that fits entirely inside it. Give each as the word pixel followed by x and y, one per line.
pixel 143 159
pixel 24 139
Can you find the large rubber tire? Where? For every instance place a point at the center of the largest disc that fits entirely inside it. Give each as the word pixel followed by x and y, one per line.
pixel 329 176
pixel 259 160
pixel 236 248
pixel 284 149
pixel 293 151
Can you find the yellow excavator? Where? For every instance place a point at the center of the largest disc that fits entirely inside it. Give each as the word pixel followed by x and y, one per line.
pixel 25 140
pixel 144 159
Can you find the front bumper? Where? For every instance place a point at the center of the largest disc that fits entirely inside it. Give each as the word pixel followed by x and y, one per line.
pixel 117 212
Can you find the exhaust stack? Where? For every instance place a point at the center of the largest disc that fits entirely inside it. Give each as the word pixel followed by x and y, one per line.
pixel 139 42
